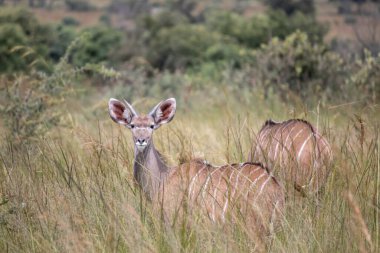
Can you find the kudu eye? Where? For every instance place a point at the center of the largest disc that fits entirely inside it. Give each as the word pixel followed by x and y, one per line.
pixel 152 126
pixel 132 126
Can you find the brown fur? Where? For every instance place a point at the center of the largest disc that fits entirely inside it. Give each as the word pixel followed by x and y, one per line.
pixel 245 192
pixel 295 145
pixel 236 191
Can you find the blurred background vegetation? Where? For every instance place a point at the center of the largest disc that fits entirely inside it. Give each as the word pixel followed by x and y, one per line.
pixel 317 51
pixel 228 62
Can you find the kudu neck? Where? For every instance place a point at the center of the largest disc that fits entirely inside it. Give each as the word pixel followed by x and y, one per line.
pixel 149 170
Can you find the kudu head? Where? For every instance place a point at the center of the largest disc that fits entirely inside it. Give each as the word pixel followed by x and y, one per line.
pixel 142 126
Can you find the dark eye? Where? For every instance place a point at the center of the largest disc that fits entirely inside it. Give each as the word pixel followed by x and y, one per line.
pixel 132 126
pixel 152 126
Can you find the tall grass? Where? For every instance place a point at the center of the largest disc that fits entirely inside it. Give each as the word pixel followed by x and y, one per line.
pixel 73 190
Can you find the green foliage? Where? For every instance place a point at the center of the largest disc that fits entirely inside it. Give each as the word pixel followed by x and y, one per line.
pixel 70 21
pixel 364 78
pixel 20 29
pixel 189 45
pixel 282 25
pixel 292 6
pixel 101 44
pixel 11 35
pixel 29 103
pixel 299 66
pixel 259 29
pixel 250 32
pixel 185 7
pixel 63 36
pixel 151 25
pixel 105 20
pixel 79 5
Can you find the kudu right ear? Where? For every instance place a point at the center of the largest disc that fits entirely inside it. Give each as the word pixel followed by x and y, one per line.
pixel 164 112
pixel 120 112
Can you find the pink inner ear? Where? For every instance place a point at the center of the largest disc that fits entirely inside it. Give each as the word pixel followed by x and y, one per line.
pixel 118 110
pixel 166 110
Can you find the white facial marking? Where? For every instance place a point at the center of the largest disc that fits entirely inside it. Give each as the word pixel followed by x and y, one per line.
pixel 141 147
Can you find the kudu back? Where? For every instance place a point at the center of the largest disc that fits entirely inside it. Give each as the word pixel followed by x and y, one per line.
pixel 296 151
pixel 246 191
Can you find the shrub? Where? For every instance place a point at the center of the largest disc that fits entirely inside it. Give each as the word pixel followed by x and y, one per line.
pixel 299 66
pixel 100 45
pixel 105 20
pixel 11 35
pixel 28 102
pixel 63 36
pixel 186 46
pixel 292 6
pixel 129 9
pixel 20 29
pixel 250 32
pixel 151 25
pixel 70 21
pixel 259 29
pixel 364 78
pixel 78 5
pixel 282 25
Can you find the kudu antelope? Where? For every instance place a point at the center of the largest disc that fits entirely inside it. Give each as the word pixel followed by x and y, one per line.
pixel 300 155
pixel 246 187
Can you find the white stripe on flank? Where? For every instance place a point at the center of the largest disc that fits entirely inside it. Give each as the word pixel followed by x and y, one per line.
pixel 293 138
pixel 236 182
pixel 263 136
pixel 204 189
pixel 214 196
pixel 286 139
pixel 225 208
pixel 253 184
pixel 280 139
pixel 262 188
pixel 272 139
pixel 303 146
pixel 191 185
pixel 225 204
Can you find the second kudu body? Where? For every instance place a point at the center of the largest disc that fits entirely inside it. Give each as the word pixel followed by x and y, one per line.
pixel 299 154
pixel 217 190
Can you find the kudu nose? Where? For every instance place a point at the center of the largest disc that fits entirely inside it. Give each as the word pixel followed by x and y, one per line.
pixel 140 141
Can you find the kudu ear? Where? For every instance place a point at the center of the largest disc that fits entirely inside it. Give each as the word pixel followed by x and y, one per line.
pixel 120 112
pixel 164 112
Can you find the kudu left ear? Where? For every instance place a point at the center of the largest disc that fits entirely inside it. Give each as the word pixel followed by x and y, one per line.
pixel 164 112
pixel 120 112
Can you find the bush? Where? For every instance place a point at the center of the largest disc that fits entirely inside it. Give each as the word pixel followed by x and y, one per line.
pixel 20 29
pixel 299 66
pixel 11 35
pixel 101 45
pixel 29 103
pixel 151 25
pixel 292 6
pixel 63 36
pixel 282 25
pixel 188 45
pixel 78 5
pixel 364 78
pixel 70 21
pixel 259 29
pixel 249 32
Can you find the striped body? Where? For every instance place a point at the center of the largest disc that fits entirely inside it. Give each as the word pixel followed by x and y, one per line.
pixel 240 191
pixel 296 152
pixel 244 192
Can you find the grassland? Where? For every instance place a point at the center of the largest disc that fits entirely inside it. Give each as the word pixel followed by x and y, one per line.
pixel 73 190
